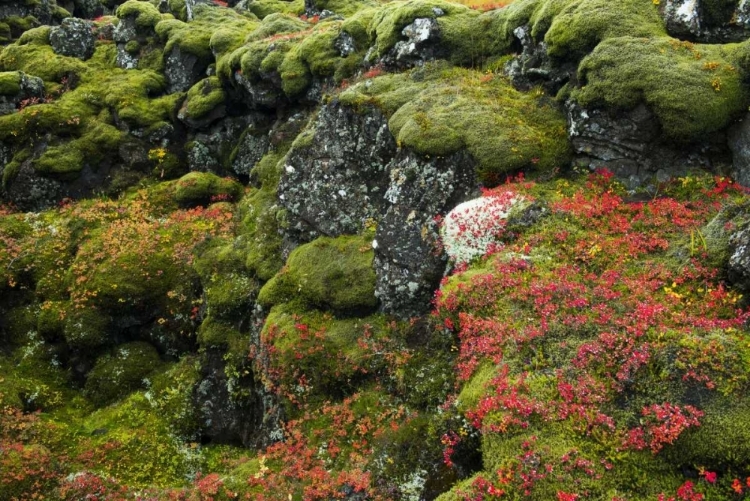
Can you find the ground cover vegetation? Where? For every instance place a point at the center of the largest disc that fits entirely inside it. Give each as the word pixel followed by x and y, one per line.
pixel 154 301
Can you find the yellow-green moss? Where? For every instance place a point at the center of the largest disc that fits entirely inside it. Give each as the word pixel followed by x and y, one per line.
pixel 440 111
pixel 203 97
pixel 198 188
pixel 146 15
pixel 10 83
pixel 332 273
pixel 117 374
pixel 692 89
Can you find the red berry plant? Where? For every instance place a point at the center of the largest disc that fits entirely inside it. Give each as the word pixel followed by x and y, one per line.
pixel 601 353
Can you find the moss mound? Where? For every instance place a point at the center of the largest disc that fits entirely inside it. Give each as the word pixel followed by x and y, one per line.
pixel 121 372
pixel 692 89
pixel 440 111
pixel 201 188
pixel 331 273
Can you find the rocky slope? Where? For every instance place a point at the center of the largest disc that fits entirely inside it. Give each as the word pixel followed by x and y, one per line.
pixel 358 250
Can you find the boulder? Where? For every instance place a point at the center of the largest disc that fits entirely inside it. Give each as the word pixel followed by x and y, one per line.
pixel 182 70
pixel 533 67
pixel 707 21
pixel 422 44
pixel 739 144
pixel 74 37
pixel 17 89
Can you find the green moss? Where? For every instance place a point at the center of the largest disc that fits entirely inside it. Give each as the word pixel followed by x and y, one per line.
pixel 692 89
pixel 145 14
pixel 313 55
pixel 275 24
pixel 261 215
pixel 51 320
pixel 332 273
pixel 439 112
pixel 344 8
pixel 39 36
pixel 86 328
pixel 198 188
pixel 333 354
pixel 263 8
pixel 171 396
pixel 67 160
pixel 141 447
pixel 41 61
pixel 117 374
pixel 10 83
pixel 196 37
pixel 203 97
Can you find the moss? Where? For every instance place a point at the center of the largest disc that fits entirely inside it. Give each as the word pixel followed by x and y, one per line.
pixel 444 111
pixel 67 160
pixel 10 83
pixel 263 8
pixel 261 214
pixel 145 14
pixel 51 320
pixel 314 55
pixel 332 273
pixel 203 97
pixel 40 61
pixel 171 396
pixel 692 89
pixel 333 354
pixel 38 36
pixel 198 188
pixel 121 372
pixel 196 37
pixel 138 444
pixel 275 24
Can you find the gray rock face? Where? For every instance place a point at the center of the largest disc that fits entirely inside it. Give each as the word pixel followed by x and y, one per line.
pixel 336 182
pixel 346 170
pixel 208 149
pixel 408 264
pixel 43 10
pixel 344 44
pixel 251 148
pixel 532 67
pixel 127 30
pixel 235 410
pixel 74 38
pixel 739 259
pixel 422 44
pixel 739 143
pixel 182 70
pixel 708 22
pixel 629 144
pixel 31 89
pixel 30 191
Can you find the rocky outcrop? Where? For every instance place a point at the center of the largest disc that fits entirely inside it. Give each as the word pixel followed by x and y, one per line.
pixel 739 143
pixel 19 89
pixel 182 69
pixel 421 44
pixel 74 37
pixel 346 173
pixel 630 145
pixel 533 67
pixel 707 21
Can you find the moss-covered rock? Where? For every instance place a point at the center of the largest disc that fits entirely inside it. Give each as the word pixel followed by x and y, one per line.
pixel 441 111
pixel 331 273
pixel 204 100
pixel 693 89
pixel 121 372
pixel 201 188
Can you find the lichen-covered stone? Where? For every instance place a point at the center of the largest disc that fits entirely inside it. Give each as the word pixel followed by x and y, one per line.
pixel 74 38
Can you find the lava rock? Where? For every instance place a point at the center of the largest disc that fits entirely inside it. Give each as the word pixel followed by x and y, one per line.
pixel 422 44
pixel 74 37
pixel 29 89
pixel 182 70
pixel 533 67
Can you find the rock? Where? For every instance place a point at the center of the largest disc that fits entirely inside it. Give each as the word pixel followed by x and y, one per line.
pixel 263 93
pixel 408 262
pixel 88 9
pixel 182 70
pixel 250 150
pixel 345 172
pixel 630 145
pixel 30 191
pixel 739 143
pixel 345 44
pixel 29 90
pixel 422 44
pixel 200 158
pixel 533 67
pixel 739 259
pixel 74 37
pixel 41 12
pixel 682 17
pixel 235 409
pixel 336 180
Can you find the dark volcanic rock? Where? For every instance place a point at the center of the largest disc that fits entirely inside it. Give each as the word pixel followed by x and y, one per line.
pixel 630 145
pixel 29 88
pixel 346 172
pixel 739 143
pixel 707 21
pixel 74 37
pixel 182 70
pixel 422 44
pixel 533 67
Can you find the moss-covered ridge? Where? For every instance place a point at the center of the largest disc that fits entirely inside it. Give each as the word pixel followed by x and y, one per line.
pixel 438 111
